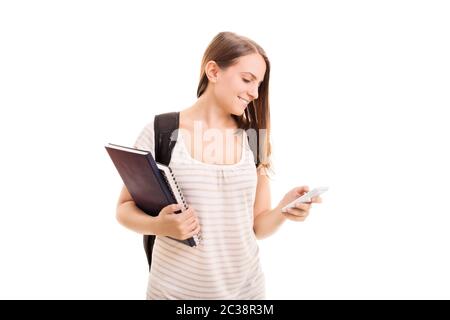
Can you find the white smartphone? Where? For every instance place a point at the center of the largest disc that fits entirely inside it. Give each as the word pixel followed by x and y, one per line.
pixel 305 198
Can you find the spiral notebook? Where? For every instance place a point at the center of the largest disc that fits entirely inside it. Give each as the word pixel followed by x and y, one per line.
pixel 152 185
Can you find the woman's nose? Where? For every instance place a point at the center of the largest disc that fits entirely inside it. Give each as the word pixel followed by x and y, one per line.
pixel 254 93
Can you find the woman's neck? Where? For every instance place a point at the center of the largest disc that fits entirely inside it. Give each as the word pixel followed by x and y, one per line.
pixel 209 113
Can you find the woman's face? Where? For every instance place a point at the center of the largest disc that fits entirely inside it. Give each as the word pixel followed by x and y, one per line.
pixel 238 85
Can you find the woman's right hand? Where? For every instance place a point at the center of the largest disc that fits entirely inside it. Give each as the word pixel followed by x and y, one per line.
pixel 179 226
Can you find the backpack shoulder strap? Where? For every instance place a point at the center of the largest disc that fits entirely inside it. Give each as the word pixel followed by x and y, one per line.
pixel 254 147
pixel 253 142
pixel 165 126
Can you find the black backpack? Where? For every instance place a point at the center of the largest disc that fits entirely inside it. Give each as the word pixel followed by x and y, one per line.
pixel 164 126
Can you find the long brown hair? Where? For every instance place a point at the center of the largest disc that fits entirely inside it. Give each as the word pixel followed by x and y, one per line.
pixel 225 49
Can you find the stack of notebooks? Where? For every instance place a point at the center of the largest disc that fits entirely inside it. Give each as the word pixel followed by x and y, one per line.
pixel 151 184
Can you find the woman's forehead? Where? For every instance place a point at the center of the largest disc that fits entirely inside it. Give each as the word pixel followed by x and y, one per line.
pixel 252 64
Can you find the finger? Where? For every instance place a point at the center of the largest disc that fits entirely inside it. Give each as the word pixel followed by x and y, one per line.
pixel 171 208
pixel 295 218
pixel 197 230
pixel 316 199
pixel 190 221
pixel 301 190
pixel 303 206
pixel 187 214
pixel 194 232
pixel 296 212
pixel 188 210
pixel 192 212
pixel 191 226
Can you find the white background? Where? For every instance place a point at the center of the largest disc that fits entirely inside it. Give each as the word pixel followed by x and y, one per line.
pixel 359 98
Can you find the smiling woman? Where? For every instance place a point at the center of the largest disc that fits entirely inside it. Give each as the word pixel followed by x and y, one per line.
pixel 228 196
pixel 234 75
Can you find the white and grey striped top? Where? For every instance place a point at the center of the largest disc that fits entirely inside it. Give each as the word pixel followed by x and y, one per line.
pixel 226 264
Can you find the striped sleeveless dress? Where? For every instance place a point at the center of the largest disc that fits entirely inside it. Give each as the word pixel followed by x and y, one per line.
pixel 226 264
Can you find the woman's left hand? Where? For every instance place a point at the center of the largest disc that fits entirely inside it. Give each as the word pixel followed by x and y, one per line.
pixel 301 211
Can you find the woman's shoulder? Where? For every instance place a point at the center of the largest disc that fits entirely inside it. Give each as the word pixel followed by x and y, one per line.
pixel 149 125
pixel 148 128
pixel 145 139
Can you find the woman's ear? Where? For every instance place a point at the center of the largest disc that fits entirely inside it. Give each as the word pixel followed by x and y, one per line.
pixel 212 71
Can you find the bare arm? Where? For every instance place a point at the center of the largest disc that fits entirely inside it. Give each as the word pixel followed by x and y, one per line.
pixel 266 220
pixel 131 217
pixel 166 223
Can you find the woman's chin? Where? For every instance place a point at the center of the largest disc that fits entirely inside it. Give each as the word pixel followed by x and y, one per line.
pixel 238 111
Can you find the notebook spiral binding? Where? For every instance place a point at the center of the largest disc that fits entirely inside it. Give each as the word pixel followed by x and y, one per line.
pixel 181 200
pixel 180 194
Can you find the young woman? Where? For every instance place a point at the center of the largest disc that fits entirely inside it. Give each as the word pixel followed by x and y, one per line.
pixel 228 196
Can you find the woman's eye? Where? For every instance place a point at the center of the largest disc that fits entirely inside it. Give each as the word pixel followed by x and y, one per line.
pixel 245 80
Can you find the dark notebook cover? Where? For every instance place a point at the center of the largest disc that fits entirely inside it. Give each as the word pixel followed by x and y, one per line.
pixel 144 181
